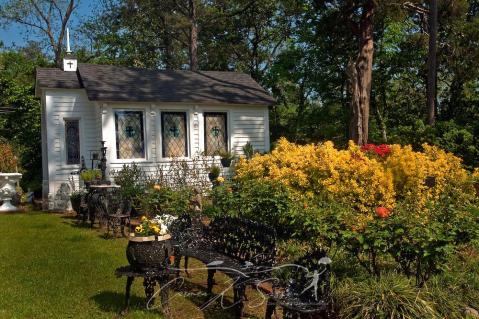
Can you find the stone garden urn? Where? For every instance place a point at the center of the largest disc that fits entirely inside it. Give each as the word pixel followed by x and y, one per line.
pixel 8 183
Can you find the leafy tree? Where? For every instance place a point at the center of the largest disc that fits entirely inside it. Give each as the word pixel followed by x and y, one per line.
pixel 20 122
pixel 48 18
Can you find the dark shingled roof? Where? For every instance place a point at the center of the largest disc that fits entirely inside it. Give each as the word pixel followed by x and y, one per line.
pixel 56 78
pixel 114 83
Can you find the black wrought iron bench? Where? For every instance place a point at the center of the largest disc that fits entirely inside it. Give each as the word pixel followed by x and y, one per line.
pixel 303 290
pixel 242 249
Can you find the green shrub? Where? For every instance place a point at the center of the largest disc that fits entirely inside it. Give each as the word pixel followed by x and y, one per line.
pixel 392 296
pixel 422 247
pixel 450 136
pixel 158 199
pixel 131 179
pixel 419 246
pixel 263 201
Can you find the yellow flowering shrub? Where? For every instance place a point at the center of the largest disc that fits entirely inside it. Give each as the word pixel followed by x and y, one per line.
pixel 411 169
pixel 475 175
pixel 347 176
pixel 358 179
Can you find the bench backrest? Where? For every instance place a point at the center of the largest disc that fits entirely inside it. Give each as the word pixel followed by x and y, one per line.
pixel 243 240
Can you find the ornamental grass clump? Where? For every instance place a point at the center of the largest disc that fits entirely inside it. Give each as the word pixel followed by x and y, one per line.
pixel 392 296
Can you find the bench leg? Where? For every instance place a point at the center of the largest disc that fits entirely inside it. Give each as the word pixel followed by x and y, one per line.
pixel 211 281
pixel 239 292
pixel 270 308
pixel 149 285
pixel 288 314
pixel 164 294
pixel 177 265
pixel 129 282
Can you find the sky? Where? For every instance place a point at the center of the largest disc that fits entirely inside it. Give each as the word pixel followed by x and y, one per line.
pixel 16 34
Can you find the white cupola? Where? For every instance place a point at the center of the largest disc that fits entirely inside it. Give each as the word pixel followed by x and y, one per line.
pixel 69 61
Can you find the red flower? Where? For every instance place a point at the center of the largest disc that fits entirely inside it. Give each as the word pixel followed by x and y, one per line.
pixel 380 150
pixel 382 212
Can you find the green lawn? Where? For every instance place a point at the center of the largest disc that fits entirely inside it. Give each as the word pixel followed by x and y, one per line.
pixel 52 268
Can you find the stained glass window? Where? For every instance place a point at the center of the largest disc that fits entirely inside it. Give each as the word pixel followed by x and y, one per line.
pixel 174 134
pixel 216 135
pixel 72 141
pixel 130 142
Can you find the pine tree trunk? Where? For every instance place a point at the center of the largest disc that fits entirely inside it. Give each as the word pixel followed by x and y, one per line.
pixel 193 47
pixel 431 64
pixel 360 73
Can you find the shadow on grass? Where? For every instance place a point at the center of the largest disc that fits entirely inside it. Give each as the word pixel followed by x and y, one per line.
pixel 77 224
pixel 109 301
pixel 220 308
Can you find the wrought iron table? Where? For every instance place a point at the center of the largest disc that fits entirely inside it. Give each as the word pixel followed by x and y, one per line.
pixel 150 278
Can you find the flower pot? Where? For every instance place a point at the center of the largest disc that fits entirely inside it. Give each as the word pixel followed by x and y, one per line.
pixel 76 203
pixel 8 190
pixel 225 162
pixel 149 252
pixel 212 177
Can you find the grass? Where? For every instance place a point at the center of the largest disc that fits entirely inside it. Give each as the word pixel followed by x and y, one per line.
pixel 52 268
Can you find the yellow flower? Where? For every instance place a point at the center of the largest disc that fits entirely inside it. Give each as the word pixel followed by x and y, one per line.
pixel 353 178
pixel 139 229
pixel 220 179
pixel 143 218
pixel 157 187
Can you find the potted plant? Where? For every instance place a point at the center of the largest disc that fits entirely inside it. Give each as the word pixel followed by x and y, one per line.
pixel 9 176
pixel 214 173
pixel 226 158
pixel 149 246
pixel 90 176
pixel 75 199
pixel 248 150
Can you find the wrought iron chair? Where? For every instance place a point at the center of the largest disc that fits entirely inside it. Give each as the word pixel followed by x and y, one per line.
pixel 117 213
pixel 304 290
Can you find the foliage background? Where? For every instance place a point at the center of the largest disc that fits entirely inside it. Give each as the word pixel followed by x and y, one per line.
pixel 298 50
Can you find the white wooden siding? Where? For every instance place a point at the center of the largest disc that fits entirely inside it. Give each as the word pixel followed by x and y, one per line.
pixel 61 105
pixel 97 122
pixel 250 125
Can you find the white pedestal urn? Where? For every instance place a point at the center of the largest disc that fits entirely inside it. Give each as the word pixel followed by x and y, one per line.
pixel 8 182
